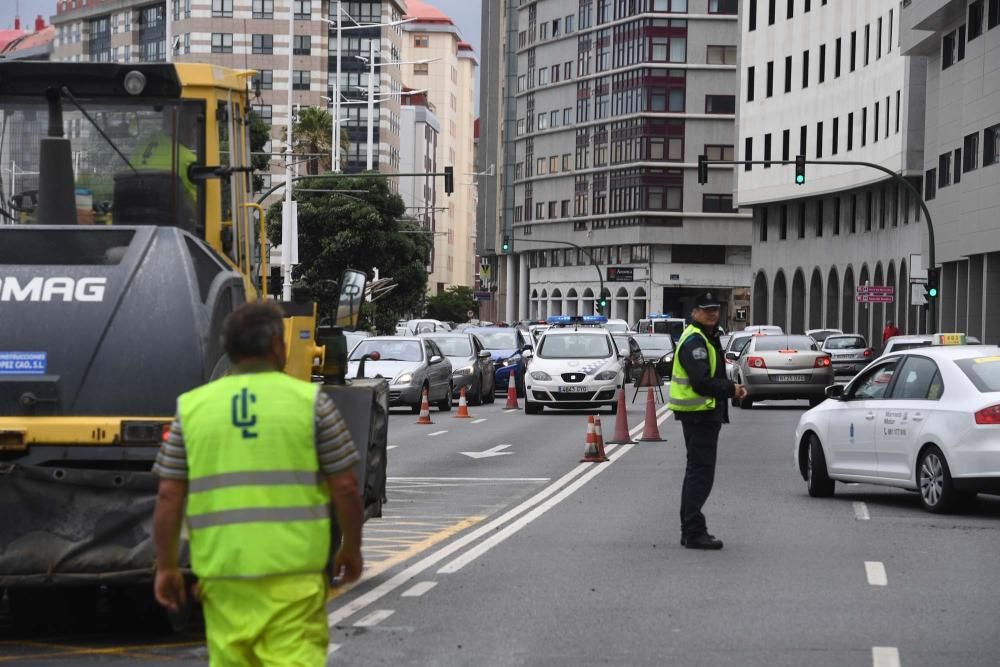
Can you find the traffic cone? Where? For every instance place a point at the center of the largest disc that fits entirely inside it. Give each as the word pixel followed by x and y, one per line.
pixel 599 439
pixel 463 406
pixel 512 392
pixel 650 432
pixel 425 411
pixel 622 436
pixel 592 455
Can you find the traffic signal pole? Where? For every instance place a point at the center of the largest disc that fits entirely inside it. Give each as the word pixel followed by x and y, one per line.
pixel 800 160
pixel 600 276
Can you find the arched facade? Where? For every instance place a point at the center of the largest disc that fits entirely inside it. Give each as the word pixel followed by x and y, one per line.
pixel 760 300
pixel 555 302
pixel 779 313
pixel 572 302
pixel 847 301
pixel 620 304
pixel 639 310
pixel 534 305
pixel 798 319
pixel 543 305
pixel 833 299
pixel 815 300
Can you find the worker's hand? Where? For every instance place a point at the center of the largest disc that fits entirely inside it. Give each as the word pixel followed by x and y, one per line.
pixel 741 392
pixel 169 588
pixel 347 565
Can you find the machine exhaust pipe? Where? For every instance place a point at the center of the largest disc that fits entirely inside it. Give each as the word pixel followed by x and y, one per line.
pixel 56 184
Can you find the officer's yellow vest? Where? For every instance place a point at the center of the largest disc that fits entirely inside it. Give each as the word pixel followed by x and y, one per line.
pixel 157 154
pixel 683 397
pixel 257 504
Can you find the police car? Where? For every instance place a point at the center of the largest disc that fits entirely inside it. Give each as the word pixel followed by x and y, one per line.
pixel 925 419
pixel 575 364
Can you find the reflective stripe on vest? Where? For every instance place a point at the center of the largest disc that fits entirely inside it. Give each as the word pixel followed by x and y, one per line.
pixel 257 503
pixel 683 397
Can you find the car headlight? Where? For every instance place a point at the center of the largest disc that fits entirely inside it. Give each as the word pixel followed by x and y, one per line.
pixel 405 378
pixel 513 361
pixel 668 358
pixel 606 375
pixel 465 370
pixel 541 376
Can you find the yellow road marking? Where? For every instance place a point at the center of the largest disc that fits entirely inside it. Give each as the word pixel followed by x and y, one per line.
pixel 409 552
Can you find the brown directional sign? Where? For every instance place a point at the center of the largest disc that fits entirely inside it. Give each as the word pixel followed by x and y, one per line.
pixel 876 294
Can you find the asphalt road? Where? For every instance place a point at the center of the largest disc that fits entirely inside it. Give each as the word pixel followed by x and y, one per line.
pixel 521 555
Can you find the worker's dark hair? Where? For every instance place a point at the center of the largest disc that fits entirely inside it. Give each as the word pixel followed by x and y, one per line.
pixel 249 329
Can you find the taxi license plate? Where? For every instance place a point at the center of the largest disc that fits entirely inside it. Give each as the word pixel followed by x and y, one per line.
pixel 577 389
pixel 789 378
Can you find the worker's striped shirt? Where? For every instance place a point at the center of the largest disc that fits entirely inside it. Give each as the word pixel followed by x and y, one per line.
pixel 334 445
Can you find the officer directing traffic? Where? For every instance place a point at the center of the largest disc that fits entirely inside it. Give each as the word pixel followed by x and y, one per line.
pixel 699 393
pixel 258 455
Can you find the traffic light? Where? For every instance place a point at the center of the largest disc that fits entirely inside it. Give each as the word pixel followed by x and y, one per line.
pixel 449 180
pixel 505 247
pixel 602 303
pixel 800 170
pixel 933 283
pixel 702 169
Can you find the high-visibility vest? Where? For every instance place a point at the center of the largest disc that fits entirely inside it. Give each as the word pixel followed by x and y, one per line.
pixel 257 503
pixel 158 153
pixel 683 397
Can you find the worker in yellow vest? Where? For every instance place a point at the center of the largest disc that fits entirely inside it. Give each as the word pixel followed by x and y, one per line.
pixel 699 393
pixel 258 456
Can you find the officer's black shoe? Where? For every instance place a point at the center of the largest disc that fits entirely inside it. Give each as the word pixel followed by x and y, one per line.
pixel 703 541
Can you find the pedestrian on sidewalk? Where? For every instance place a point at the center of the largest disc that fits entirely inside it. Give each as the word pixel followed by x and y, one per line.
pixel 258 456
pixel 699 396
pixel 889 331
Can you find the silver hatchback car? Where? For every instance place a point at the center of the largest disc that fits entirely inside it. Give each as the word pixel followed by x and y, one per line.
pixel 849 353
pixel 783 367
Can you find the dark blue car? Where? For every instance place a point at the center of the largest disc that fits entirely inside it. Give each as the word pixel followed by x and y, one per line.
pixel 505 346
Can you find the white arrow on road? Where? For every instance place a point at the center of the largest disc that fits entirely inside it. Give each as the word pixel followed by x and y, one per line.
pixel 492 451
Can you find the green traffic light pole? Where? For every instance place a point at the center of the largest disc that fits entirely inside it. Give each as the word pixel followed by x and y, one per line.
pixel 932 301
pixel 597 266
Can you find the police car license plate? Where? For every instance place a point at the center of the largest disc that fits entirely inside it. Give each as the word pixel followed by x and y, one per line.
pixel 576 389
pixel 789 378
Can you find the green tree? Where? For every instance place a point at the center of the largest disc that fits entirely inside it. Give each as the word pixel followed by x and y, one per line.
pixel 311 135
pixel 338 231
pixel 260 134
pixel 452 305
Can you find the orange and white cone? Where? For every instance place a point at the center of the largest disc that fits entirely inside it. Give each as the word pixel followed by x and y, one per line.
pixel 592 454
pixel 463 406
pixel 599 439
pixel 425 410
pixel 622 435
pixel 512 392
pixel 650 431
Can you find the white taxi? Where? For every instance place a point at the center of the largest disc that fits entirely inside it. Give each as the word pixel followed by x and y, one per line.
pixel 926 419
pixel 575 365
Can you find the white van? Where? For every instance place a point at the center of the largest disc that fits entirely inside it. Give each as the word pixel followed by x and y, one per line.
pixel 660 324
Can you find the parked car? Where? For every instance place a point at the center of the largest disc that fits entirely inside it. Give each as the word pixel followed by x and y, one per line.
pixel 617 326
pixel 472 365
pixel 768 329
pixel 662 324
pixel 576 368
pixel 355 337
pixel 783 367
pixel 899 343
pixel 416 327
pixel 849 353
pixel 506 345
pixel 628 347
pixel 411 364
pixel 659 349
pixel 819 335
pixel 731 352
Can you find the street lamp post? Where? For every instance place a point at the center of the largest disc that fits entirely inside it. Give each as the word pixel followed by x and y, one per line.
pixel 289 236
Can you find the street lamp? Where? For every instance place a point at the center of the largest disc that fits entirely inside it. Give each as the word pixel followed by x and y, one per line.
pixel 335 146
pixel 371 93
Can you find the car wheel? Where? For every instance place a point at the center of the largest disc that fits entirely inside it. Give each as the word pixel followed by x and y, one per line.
pixel 533 408
pixel 445 404
pixel 817 479
pixel 937 491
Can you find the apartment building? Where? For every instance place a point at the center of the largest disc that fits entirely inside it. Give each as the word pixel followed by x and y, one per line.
pixel 829 81
pixel 440 62
pixel 421 132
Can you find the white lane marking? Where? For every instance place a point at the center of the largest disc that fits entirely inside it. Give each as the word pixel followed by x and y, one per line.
pixel 374 618
pixel 477 421
pixel 468 479
pixel 487 544
pixel 419 589
pixel 398 580
pixel 861 511
pixel 885 656
pixel 331 648
pixel 391 447
pixel 431 435
pixel 489 453
pixel 876 573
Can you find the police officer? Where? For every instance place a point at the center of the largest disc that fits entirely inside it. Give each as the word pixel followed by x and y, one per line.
pixel 258 456
pixel 699 393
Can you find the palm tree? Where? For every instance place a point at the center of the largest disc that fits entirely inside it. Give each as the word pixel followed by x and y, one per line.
pixel 312 137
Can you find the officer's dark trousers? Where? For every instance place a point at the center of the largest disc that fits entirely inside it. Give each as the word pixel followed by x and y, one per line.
pixel 702 441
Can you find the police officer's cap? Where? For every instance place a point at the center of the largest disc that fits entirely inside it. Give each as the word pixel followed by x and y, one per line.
pixel 707 300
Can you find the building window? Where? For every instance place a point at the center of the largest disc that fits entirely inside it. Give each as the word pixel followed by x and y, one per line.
pixel 770 12
pixel 836 59
pixel 850 131
pixel 770 79
pixel 786 139
pixel 957 163
pixel 421 40
pixel 803 137
pixel 718 152
pixel 970 147
pixel 263 9
pixel 717 203
pixel 836 216
pixel 822 63
pixel 783 223
pixel 424 69
pixel 835 137
pixel 802 220
pixel 991 145
pixel 948 50
pixel 222 42
pixel 864 126
pixel 878 40
pixel 750 81
pixel 961 42
pixel 875 124
pixel 869 210
pixel 805 69
pixel 723 6
pixel 300 79
pixel 721 55
pixel 897 112
pixel 930 181
pixel 767 151
pixel 303 9
pixel 220 9
pixel 720 104
pixel 788 74
pixel 752 19
pixel 262 44
pixel 748 153
pixel 868 34
pixel 303 45
pixel 790 9
pixel 263 80
pixel 854 49
pixel 944 170
pixel 763 224
pixel 993 20
pixel 264 111
pixel 888 48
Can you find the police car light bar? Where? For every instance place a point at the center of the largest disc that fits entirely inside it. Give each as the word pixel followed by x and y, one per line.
pixel 663 316
pixel 567 320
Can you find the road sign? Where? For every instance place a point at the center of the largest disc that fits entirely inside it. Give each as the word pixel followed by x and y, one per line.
pixel 874 298
pixel 482 296
pixel 917 297
pixel 876 294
